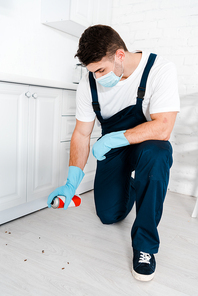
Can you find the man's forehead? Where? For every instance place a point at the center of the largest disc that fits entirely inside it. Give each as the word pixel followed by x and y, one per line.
pixel 95 67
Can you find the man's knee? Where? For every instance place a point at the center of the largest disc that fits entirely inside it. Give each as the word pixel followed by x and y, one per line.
pixel 108 217
pixel 159 152
pixel 105 219
pixel 155 160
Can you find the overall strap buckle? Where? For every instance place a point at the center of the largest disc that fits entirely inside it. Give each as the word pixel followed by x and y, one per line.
pixel 96 106
pixel 94 94
pixel 141 92
pixel 142 86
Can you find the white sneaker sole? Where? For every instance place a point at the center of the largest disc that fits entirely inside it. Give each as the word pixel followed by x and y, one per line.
pixel 142 277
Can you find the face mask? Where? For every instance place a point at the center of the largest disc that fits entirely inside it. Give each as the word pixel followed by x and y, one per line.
pixel 109 80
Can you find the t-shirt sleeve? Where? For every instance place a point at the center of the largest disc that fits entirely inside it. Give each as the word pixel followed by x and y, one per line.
pixel 84 109
pixel 165 95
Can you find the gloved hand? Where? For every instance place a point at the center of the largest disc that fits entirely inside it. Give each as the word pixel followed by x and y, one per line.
pixel 107 142
pixel 75 176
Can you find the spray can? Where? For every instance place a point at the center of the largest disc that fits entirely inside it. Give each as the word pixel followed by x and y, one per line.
pixel 59 201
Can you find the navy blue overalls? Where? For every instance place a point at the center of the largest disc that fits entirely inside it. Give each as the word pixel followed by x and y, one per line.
pixel 115 190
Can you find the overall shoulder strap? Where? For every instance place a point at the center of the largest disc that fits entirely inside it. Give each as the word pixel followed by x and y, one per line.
pixel 94 94
pixel 142 87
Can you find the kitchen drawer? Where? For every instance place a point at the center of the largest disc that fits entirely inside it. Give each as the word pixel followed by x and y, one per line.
pixel 67 127
pixel 69 102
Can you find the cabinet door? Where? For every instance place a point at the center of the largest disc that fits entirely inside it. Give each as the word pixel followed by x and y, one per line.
pixel 64 162
pixel 102 12
pixel 67 127
pixel 69 102
pixel 13 148
pixel 43 141
pixel 81 12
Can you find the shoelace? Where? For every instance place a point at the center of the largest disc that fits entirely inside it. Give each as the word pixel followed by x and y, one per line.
pixel 144 258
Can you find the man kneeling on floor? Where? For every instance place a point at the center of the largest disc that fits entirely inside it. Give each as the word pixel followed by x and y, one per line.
pixel 134 96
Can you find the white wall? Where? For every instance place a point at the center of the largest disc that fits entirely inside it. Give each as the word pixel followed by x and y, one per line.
pixel 29 48
pixel 170 28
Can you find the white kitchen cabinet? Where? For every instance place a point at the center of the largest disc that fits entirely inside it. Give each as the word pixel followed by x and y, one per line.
pixel 36 128
pixel 69 102
pixel 102 12
pixel 13 147
pixel 67 127
pixel 81 12
pixel 68 117
pixel 74 16
pixel 43 141
pixel 29 152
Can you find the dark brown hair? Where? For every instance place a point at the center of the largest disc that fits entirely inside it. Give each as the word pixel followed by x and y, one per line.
pixel 98 41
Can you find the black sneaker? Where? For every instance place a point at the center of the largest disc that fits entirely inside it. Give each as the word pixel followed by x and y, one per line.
pixel 143 266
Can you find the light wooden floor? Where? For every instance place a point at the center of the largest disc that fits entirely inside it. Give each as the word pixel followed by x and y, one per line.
pixel 57 252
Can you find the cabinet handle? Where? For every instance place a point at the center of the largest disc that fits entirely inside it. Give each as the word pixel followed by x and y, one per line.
pixel 27 94
pixel 35 96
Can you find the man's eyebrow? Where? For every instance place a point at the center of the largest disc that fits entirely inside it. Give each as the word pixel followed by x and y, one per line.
pixel 98 70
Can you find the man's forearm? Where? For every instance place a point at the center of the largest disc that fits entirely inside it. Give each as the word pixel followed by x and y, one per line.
pixel 146 131
pixel 159 128
pixel 79 150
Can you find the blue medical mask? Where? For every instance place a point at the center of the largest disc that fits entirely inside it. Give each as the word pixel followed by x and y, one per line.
pixel 109 79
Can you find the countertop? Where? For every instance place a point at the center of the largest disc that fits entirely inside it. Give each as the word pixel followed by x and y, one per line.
pixel 6 77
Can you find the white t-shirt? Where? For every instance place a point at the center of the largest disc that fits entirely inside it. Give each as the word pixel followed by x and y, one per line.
pixel 161 92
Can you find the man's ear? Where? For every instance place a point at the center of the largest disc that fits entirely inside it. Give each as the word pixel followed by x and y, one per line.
pixel 120 54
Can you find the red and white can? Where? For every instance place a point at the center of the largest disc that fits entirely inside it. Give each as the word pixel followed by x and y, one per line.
pixel 59 202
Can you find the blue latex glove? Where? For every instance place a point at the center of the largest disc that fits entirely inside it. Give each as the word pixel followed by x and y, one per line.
pixel 107 142
pixel 75 176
